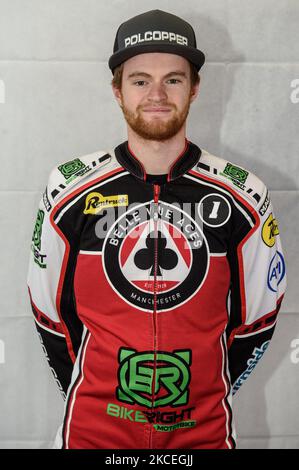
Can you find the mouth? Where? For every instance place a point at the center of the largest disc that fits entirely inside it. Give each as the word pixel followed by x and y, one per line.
pixel 157 110
pixel 158 113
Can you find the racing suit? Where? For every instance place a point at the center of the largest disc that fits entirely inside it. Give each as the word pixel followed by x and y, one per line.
pixel 154 296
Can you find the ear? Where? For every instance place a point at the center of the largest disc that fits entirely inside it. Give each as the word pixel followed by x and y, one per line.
pixel 195 91
pixel 117 94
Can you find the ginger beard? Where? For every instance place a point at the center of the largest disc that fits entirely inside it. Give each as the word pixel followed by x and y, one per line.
pixel 158 128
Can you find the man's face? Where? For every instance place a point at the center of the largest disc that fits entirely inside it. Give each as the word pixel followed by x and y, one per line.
pixel 156 94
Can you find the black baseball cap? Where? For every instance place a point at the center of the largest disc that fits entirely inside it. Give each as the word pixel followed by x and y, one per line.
pixel 155 31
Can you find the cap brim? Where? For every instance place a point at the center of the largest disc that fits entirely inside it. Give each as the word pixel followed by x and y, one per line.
pixel 195 56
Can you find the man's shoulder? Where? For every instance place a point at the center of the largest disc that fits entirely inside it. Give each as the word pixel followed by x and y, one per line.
pixel 232 177
pixel 75 173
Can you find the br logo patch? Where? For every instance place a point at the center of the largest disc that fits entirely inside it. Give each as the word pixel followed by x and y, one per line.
pixel 38 257
pixel 72 167
pixel 237 175
pixel 170 373
pixel 37 232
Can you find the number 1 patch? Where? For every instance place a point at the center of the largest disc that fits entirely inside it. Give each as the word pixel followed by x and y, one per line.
pixel 214 210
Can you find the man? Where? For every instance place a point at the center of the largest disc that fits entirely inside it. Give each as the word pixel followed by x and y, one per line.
pixel 157 271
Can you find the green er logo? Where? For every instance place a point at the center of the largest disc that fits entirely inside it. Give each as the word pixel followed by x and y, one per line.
pixel 37 232
pixel 70 168
pixel 164 375
pixel 235 173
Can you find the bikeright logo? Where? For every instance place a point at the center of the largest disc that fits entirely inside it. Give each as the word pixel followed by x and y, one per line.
pixel 72 169
pixel 39 258
pixel 170 373
pixel 148 36
pixel 162 421
pixel 237 175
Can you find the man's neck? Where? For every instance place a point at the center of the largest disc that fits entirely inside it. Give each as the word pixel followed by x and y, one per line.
pixel 157 157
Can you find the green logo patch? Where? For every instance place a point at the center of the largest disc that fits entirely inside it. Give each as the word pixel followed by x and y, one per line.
pixel 37 232
pixel 142 376
pixel 236 174
pixel 70 168
pixel 39 258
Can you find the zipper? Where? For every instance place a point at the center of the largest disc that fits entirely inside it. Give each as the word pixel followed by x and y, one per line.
pixel 156 218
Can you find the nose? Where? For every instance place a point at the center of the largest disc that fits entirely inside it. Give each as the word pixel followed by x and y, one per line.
pixel 157 92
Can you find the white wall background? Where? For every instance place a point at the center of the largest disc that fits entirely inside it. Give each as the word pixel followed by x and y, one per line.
pixel 56 104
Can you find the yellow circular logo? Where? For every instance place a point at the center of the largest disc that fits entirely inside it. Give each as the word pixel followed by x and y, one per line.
pixel 270 230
